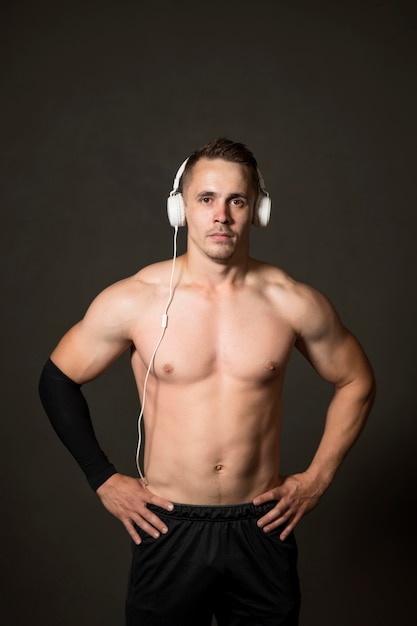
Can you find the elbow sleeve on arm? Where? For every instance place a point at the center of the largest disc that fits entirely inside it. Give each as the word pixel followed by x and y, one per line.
pixel 69 415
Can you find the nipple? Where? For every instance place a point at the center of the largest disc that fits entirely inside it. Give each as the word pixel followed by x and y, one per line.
pixel 271 366
pixel 168 368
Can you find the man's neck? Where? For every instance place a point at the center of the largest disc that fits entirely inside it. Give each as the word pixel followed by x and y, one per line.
pixel 212 273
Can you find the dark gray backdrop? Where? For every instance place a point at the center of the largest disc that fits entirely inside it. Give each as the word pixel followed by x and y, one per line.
pixel 100 103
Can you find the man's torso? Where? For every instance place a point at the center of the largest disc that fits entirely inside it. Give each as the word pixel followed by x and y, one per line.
pixel 213 401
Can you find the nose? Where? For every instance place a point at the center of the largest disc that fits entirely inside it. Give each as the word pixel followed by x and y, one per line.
pixel 222 214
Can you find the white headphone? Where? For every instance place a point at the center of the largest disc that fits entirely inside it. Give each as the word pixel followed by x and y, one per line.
pixel 176 211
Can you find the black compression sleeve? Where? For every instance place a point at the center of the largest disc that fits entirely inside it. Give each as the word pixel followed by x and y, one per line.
pixel 68 413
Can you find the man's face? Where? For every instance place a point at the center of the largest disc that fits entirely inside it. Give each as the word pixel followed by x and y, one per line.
pixel 219 201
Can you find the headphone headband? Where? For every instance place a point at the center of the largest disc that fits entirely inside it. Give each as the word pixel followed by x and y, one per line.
pixel 178 175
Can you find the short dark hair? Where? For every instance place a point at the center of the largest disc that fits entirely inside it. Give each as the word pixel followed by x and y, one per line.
pixel 222 148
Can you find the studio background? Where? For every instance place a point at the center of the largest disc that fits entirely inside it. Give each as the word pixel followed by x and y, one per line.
pixel 100 103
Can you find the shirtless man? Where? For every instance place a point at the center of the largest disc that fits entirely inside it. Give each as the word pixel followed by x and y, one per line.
pixel 212 517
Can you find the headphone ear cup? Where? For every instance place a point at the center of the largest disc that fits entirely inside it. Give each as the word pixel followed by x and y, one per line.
pixel 262 211
pixel 176 211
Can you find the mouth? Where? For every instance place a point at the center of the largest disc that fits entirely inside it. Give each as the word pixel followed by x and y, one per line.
pixel 220 235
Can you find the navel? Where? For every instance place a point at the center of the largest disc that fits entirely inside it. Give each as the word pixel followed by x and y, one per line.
pixel 219 468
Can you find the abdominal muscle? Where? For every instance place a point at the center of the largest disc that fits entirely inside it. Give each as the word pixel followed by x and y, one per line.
pixel 213 448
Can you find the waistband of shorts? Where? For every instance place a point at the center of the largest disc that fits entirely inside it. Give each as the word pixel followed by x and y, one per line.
pixel 217 513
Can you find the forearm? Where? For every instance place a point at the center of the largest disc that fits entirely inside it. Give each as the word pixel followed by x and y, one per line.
pixel 69 415
pixel 346 417
pixel 297 494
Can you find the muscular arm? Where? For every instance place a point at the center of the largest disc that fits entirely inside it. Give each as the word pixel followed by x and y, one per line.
pixel 345 365
pixel 338 358
pixel 84 352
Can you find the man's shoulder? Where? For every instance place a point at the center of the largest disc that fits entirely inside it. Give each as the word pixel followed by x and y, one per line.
pixel 295 297
pixel 134 289
pixel 153 275
pixel 145 278
pixel 280 281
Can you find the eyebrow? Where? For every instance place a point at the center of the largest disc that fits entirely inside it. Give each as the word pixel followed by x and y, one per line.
pixel 204 194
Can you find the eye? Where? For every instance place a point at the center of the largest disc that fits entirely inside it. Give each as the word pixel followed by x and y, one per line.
pixel 238 202
pixel 206 199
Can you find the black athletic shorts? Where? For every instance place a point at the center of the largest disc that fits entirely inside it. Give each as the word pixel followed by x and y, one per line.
pixel 214 561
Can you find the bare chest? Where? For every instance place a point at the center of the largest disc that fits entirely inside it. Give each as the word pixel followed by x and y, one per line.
pixel 241 338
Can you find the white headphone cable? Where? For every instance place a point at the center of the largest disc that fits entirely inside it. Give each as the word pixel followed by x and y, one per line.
pixel 164 324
